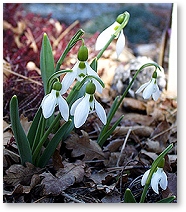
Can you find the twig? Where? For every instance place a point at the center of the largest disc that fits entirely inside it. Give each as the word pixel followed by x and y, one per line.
pixel 72 198
pixel 123 147
pixel 26 78
pixel 170 128
pixel 56 42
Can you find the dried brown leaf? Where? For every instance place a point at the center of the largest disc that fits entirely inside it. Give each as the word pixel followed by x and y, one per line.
pixel 25 123
pixel 142 131
pixel 114 198
pixel 145 120
pixel 131 104
pixel 9 154
pixel 18 174
pixel 84 146
pixel 159 137
pixel 101 177
pixel 65 177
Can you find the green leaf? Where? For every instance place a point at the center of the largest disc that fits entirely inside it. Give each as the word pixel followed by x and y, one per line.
pixel 167 200
pixel 107 133
pixel 94 64
pixel 53 144
pixel 46 61
pixel 19 134
pixel 33 127
pixel 129 197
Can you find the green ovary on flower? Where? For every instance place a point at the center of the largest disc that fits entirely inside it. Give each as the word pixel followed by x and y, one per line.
pixel 90 88
pixel 57 86
pixel 120 18
pixel 83 53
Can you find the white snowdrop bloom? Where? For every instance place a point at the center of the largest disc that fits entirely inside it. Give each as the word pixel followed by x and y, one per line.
pixel 81 107
pixel 158 178
pixel 80 70
pixel 51 100
pixel 150 89
pixel 104 37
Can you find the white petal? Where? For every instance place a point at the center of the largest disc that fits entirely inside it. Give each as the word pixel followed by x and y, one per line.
pixel 63 107
pixel 148 90
pixel 48 104
pixel 155 181
pixel 67 81
pixel 120 43
pixel 100 112
pixel 163 180
pixel 81 112
pixel 99 87
pixel 90 71
pixel 156 94
pixel 104 37
pixel 144 178
pixel 74 105
pixel 142 87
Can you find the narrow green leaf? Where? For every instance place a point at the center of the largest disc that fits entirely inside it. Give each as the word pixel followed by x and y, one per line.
pixel 129 197
pixel 19 134
pixel 53 144
pixel 94 64
pixel 104 137
pixel 46 61
pixel 33 127
pixel 167 200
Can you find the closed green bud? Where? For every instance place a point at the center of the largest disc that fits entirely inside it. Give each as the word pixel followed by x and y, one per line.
pixel 120 18
pixel 90 88
pixel 83 53
pixel 57 86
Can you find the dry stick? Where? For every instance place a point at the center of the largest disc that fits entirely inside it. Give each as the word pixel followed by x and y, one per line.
pixel 56 42
pixel 123 147
pixel 26 78
pixel 72 198
pixel 170 128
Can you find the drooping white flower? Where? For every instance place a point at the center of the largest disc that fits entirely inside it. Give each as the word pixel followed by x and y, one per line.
pixel 80 70
pixel 81 107
pixel 51 100
pixel 150 89
pixel 158 178
pixel 104 37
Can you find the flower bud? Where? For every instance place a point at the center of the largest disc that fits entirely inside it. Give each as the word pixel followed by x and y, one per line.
pixel 57 86
pixel 83 53
pixel 120 18
pixel 90 88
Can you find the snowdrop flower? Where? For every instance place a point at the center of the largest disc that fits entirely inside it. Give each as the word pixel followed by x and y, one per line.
pixel 158 178
pixel 52 99
pixel 81 107
pixel 150 88
pixel 80 70
pixel 104 37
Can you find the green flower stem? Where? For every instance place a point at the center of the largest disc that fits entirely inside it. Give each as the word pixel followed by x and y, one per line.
pixel 44 137
pixel 152 170
pixel 71 43
pixel 118 101
pixel 39 132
